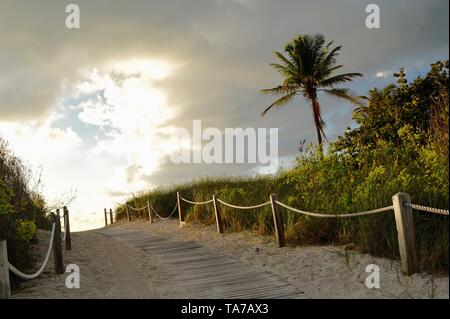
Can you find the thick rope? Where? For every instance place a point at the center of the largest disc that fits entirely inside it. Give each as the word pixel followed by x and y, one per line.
pixel 428 209
pixel 156 213
pixel 35 275
pixel 369 212
pixel 243 207
pixel 146 206
pixel 196 203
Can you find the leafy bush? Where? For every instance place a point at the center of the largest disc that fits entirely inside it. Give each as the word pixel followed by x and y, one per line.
pixel 21 209
pixel 26 230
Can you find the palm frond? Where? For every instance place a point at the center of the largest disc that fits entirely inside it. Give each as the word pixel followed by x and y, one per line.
pixel 345 94
pixel 294 57
pixel 325 65
pixel 283 70
pixel 332 69
pixel 280 102
pixel 317 49
pixel 279 90
pixel 330 59
pixel 305 50
pixel 289 64
pixel 323 53
pixel 340 78
pixel 322 73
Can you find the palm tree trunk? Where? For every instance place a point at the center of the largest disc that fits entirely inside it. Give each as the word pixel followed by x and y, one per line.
pixel 317 118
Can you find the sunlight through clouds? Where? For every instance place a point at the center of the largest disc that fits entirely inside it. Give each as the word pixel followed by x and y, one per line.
pixel 35 141
pixel 123 102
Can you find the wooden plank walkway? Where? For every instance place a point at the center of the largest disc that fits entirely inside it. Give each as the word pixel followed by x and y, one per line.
pixel 205 274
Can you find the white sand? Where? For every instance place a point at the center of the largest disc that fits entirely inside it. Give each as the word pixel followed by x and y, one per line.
pixel 112 269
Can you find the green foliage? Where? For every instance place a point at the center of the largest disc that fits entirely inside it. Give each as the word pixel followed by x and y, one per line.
pixel 21 209
pixel 6 195
pixel 26 230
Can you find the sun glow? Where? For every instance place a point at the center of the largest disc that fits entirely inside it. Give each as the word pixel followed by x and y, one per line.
pixel 154 69
pixel 128 111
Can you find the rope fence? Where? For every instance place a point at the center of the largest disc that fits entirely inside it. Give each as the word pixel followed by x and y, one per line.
pixel 41 269
pixel 196 203
pixel 243 207
pixel 167 217
pixel 401 207
pixel 369 212
pixel 141 208
pixel 54 245
pixel 428 209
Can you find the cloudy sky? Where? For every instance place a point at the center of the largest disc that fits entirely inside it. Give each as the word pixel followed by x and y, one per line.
pixel 93 106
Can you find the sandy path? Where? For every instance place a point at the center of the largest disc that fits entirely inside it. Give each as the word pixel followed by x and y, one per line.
pixel 108 269
pixel 200 273
pixel 128 277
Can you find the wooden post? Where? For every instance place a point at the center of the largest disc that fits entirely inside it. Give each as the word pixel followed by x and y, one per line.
pixel 218 215
pixel 57 250
pixel 106 216
pixel 67 229
pixel 180 210
pixel 150 219
pixel 277 221
pixel 405 231
pixel 128 213
pixel 5 287
pixel 111 216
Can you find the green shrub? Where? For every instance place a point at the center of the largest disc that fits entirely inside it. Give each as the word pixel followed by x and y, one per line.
pixel 26 230
pixel 21 210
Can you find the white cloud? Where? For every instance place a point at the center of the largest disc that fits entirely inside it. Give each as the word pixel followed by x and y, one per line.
pixel 95 112
pixel 38 141
pixel 130 111
pixel 383 74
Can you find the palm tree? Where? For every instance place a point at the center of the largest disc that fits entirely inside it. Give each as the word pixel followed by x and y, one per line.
pixel 307 70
